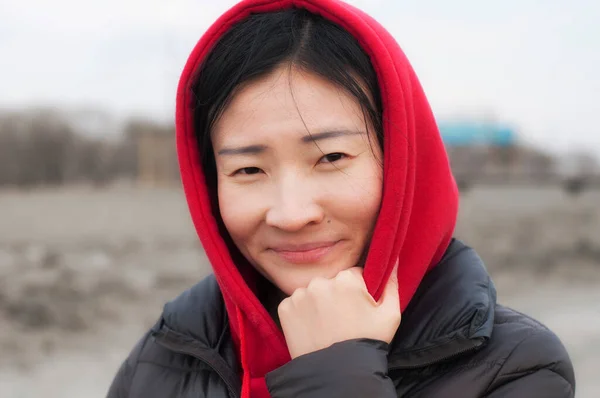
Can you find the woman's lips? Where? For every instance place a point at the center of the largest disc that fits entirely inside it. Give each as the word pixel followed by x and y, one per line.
pixel 304 254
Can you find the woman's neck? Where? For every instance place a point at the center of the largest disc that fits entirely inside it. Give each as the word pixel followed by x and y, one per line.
pixel 270 296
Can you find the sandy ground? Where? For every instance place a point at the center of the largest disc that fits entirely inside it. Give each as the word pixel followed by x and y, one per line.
pixel 84 272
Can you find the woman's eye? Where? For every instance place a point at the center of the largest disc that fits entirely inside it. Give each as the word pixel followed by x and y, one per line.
pixel 248 171
pixel 332 157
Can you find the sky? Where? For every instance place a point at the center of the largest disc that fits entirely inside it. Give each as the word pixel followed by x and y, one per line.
pixel 533 64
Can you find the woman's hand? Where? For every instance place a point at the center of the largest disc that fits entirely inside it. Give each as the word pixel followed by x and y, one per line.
pixel 329 311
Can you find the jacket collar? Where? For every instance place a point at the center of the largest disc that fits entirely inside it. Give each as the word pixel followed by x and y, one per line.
pixel 452 312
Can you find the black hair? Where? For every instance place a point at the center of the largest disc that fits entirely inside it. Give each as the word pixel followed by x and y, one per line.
pixel 262 42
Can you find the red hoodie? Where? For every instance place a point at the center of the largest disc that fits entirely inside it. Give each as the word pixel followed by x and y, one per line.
pixel 419 203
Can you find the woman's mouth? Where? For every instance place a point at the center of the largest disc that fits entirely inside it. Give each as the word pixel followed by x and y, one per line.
pixel 305 253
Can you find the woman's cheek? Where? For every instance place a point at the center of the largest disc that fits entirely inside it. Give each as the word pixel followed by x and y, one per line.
pixel 355 193
pixel 240 208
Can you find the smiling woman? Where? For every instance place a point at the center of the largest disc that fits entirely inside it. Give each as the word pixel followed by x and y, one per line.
pixel 322 194
pixel 296 149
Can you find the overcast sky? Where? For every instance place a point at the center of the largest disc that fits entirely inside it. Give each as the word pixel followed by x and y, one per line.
pixel 532 63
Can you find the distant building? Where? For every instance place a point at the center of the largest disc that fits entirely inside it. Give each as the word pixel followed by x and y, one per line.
pixel 488 152
pixel 156 154
pixel 474 133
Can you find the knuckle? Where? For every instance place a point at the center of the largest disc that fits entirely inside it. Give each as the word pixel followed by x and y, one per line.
pixel 284 307
pixel 350 278
pixel 317 284
pixel 344 275
pixel 298 295
pixel 285 303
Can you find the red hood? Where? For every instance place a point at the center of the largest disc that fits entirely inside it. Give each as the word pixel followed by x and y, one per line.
pixel 420 199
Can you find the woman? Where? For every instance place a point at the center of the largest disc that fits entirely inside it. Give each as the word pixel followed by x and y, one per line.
pixel 308 154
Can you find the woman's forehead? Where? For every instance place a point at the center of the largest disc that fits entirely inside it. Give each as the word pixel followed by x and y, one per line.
pixel 288 103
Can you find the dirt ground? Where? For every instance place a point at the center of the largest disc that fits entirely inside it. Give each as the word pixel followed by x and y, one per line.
pixel 84 272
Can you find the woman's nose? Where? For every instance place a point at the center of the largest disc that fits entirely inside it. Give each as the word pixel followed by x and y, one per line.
pixel 295 207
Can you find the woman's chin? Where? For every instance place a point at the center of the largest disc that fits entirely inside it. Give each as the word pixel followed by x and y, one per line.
pixel 303 277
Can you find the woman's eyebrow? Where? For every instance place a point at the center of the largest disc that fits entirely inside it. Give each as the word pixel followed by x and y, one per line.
pixel 258 149
pixel 330 134
pixel 244 150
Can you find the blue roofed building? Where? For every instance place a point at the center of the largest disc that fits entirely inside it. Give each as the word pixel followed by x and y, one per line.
pixel 474 133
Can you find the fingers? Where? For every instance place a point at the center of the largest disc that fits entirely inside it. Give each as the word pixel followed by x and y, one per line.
pixel 352 277
pixel 339 309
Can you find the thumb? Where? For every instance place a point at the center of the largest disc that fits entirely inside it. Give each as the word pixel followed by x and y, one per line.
pixel 390 299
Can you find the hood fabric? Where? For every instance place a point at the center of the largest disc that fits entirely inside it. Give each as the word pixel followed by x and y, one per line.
pixel 419 203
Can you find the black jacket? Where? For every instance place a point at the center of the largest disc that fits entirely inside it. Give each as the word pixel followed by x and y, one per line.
pixel 454 341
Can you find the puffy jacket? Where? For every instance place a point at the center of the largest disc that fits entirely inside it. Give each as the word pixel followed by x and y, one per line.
pixel 454 341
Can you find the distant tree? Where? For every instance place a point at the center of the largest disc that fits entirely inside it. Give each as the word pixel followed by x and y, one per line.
pixel 50 147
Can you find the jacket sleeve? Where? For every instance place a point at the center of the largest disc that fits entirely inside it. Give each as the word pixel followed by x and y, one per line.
pixel 122 380
pixel 538 367
pixel 350 369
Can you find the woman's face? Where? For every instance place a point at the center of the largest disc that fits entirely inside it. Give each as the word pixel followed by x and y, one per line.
pixel 299 177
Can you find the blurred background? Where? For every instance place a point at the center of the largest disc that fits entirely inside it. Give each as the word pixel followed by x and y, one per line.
pixel 94 230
